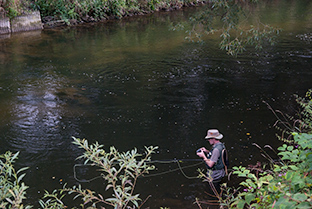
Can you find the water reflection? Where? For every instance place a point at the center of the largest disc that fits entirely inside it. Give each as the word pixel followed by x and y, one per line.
pixel 36 115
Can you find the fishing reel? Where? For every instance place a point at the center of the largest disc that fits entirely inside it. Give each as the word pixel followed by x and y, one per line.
pixel 208 155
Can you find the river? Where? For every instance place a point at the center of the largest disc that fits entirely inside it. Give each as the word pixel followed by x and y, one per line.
pixel 134 83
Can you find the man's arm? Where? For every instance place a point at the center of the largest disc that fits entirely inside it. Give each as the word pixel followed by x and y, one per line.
pixel 207 161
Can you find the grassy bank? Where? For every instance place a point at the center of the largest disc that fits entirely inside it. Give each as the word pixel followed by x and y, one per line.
pixel 72 12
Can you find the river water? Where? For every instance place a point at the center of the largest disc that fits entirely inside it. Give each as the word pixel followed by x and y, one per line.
pixel 133 83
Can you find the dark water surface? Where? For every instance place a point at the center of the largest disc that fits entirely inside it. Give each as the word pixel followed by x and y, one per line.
pixel 133 83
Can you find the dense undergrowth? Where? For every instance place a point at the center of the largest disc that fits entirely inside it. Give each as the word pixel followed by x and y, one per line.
pixel 95 10
pixel 13 8
pixel 74 11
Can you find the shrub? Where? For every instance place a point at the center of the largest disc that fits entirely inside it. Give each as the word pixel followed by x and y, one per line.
pixel 119 170
pixel 12 189
pixel 286 185
pixel 76 9
pixel 282 183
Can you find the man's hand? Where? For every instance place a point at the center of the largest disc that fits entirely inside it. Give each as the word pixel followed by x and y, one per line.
pixel 203 149
pixel 201 154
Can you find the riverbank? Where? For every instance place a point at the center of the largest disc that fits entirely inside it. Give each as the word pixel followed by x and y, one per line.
pixel 55 21
pixel 42 14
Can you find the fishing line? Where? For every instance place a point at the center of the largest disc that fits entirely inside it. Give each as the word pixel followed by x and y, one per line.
pixel 178 161
pixel 84 180
pixel 175 160
pixel 176 169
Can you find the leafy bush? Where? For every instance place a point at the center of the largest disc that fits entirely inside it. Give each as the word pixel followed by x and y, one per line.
pixel 96 10
pixel 12 189
pixel 287 185
pixel 287 182
pixel 305 121
pixel 77 9
pixel 282 183
pixel 14 8
pixel 119 170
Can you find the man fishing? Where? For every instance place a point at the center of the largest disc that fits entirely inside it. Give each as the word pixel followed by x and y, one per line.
pixel 213 158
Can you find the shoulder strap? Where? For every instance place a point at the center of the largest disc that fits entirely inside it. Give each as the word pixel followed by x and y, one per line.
pixel 225 160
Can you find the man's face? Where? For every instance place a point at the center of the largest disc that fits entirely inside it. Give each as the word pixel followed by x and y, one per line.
pixel 211 141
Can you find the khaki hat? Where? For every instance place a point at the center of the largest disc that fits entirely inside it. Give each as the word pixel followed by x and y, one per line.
pixel 213 133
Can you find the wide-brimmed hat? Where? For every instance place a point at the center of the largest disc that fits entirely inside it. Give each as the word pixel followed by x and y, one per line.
pixel 213 133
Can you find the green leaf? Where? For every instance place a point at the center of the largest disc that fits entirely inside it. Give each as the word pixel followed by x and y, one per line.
pixel 252 176
pixel 249 197
pixel 254 205
pixel 22 169
pixel 299 197
pixel 111 200
pixel 304 205
pixel 241 204
pixel 288 175
pixel 14 156
pixel 290 148
pixel 21 177
pixel 293 167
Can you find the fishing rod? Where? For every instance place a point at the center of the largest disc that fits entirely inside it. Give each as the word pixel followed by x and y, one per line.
pixel 175 160
pixel 176 169
pixel 178 161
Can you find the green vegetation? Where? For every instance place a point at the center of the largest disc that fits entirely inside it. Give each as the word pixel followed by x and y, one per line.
pixel 15 8
pixel 96 10
pixel 234 21
pixel 89 10
pixel 287 184
pixel 119 170
pixel 282 183
pixel 12 189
